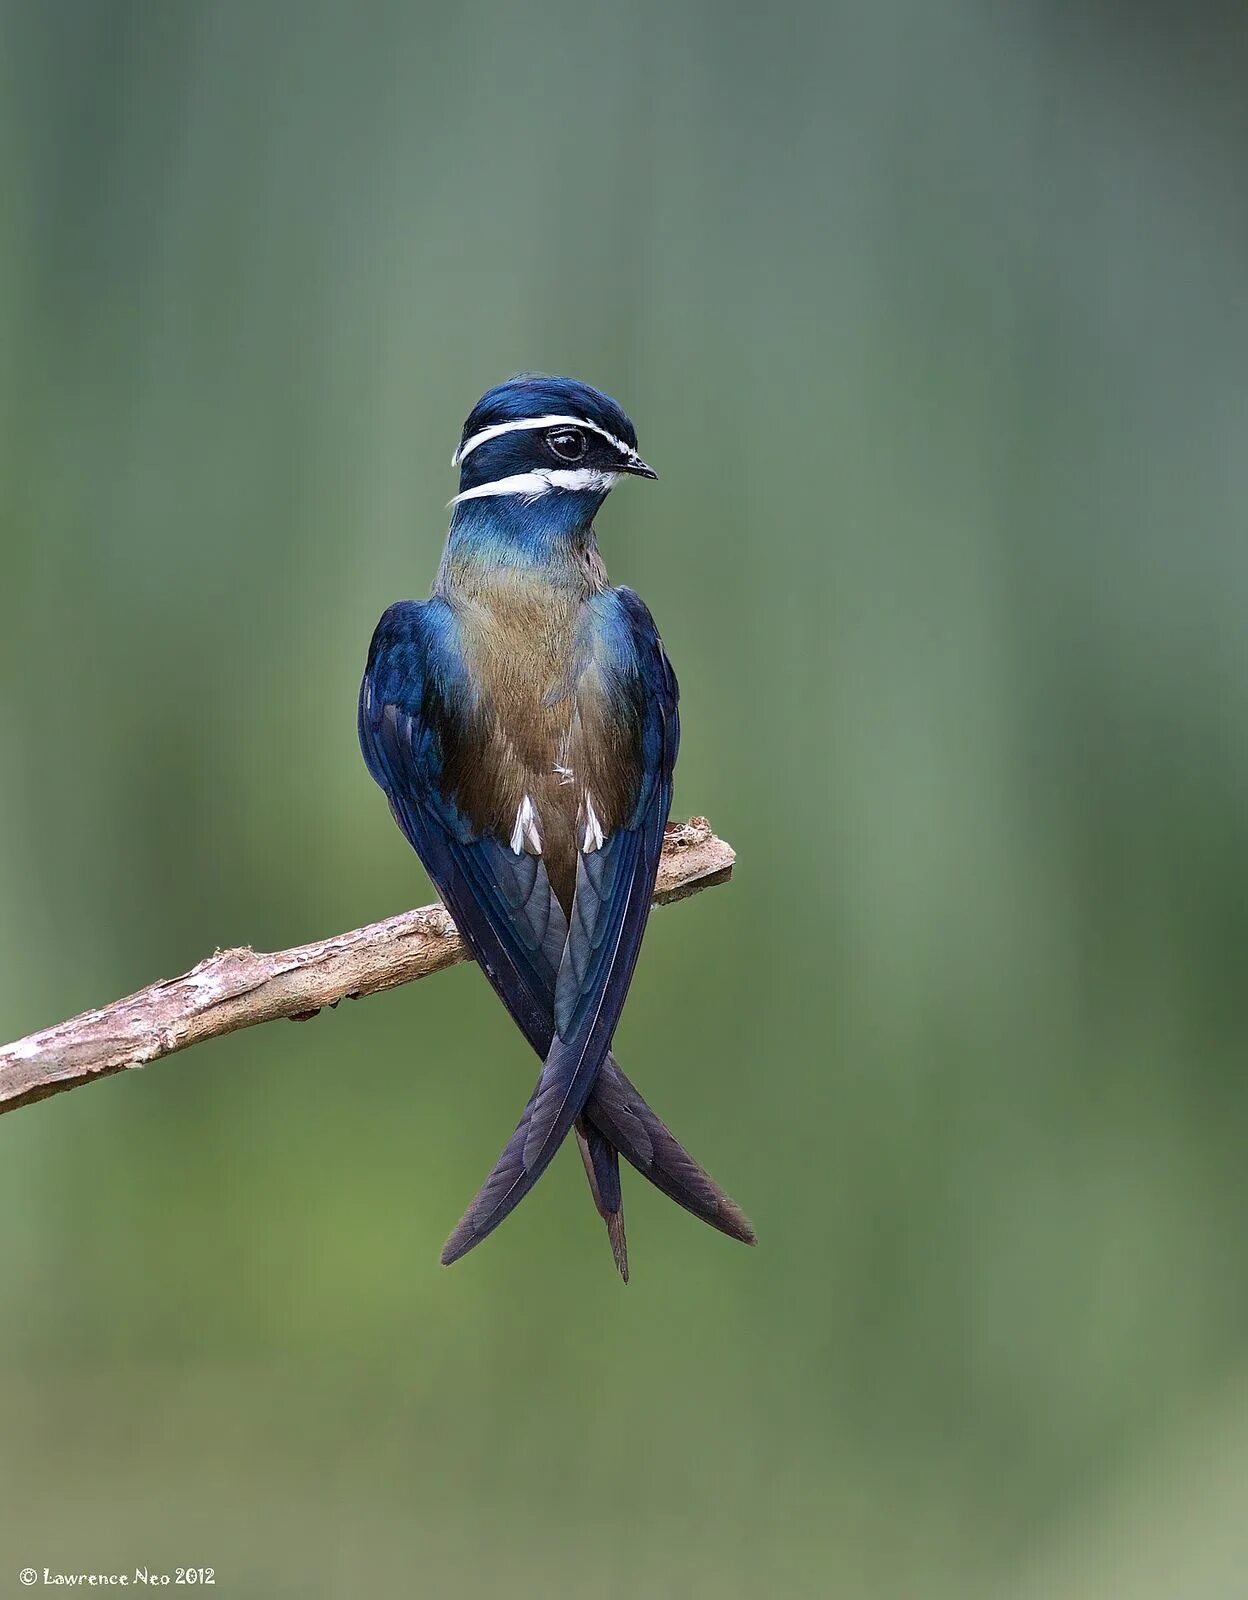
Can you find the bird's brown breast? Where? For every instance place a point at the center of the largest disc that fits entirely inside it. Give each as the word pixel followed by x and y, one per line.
pixel 540 728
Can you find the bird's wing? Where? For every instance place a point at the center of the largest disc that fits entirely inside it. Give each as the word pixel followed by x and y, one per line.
pixel 416 711
pixel 614 884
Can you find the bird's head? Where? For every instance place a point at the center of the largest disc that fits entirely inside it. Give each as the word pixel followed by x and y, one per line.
pixel 534 436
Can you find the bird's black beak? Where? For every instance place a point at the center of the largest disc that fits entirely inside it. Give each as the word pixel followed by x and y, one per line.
pixel 637 467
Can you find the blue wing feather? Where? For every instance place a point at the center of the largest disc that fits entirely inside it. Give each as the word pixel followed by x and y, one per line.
pixel 502 902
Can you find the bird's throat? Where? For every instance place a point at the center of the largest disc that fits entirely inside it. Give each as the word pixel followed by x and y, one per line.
pixel 496 543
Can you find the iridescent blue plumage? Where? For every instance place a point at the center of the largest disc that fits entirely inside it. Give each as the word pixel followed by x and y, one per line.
pixel 523 725
pixel 533 394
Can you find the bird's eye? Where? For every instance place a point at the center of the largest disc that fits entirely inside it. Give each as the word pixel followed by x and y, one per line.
pixel 567 443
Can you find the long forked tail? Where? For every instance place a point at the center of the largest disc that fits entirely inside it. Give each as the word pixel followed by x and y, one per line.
pixel 614 1118
pixel 618 1111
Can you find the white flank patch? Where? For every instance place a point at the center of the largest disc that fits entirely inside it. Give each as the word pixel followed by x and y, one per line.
pixel 498 429
pixel 594 835
pixel 526 833
pixel 533 485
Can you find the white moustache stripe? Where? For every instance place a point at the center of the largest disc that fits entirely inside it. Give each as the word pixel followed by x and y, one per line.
pixel 532 485
pixel 497 429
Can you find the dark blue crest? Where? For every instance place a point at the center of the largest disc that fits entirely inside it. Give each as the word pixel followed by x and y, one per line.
pixel 532 395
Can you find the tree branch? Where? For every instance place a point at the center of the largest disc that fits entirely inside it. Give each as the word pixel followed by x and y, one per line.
pixel 238 988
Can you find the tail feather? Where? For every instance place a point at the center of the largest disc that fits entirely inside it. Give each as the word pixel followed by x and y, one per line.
pixel 619 1112
pixel 566 1082
pixel 615 1120
pixel 602 1168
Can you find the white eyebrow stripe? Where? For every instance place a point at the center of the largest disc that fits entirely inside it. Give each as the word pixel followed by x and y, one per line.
pixel 497 429
pixel 535 484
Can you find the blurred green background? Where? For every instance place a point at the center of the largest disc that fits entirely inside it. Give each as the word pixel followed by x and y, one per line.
pixel 933 319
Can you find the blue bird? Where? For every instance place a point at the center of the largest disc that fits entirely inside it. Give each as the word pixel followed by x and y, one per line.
pixel 522 722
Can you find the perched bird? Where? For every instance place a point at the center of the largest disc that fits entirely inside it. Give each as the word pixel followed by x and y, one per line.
pixel 522 723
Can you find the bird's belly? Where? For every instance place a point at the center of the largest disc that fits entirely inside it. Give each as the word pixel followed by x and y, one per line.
pixel 535 702
pixel 523 664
